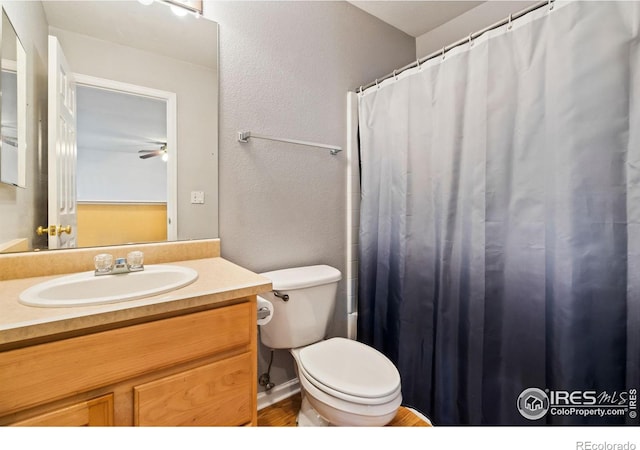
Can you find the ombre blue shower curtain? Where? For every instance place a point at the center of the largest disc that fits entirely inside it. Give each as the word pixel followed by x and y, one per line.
pixel 499 245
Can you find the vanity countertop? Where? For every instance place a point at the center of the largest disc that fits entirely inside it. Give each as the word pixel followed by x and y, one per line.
pixel 219 283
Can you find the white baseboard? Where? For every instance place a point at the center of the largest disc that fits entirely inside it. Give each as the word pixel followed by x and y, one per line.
pixel 280 392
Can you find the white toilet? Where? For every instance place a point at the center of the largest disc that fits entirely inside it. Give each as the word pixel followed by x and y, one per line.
pixel 343 382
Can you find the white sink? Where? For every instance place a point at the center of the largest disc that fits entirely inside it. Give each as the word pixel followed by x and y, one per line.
pixel 85 288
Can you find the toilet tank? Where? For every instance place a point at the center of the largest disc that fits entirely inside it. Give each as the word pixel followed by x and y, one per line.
pixel 303 318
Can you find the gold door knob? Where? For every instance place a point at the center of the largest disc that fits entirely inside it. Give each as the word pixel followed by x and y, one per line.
pixel 46 230
pixel 53 230
pixel 62 229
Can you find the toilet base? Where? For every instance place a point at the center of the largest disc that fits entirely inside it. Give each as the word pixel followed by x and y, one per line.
pixel 309 417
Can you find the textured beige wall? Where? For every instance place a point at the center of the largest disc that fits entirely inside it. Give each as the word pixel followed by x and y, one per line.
pixel 285 69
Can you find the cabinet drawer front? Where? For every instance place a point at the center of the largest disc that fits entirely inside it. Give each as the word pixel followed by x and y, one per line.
pixel 218 394
pixel 95 413
pixel 42 373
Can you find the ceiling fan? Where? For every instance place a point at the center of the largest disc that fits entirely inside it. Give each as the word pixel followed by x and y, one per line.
pixel 162 151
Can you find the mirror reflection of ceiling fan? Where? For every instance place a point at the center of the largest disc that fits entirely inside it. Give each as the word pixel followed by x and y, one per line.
pixel 162 151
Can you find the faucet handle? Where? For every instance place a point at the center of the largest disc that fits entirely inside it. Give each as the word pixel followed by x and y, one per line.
pixel 103 262
pixel 135 260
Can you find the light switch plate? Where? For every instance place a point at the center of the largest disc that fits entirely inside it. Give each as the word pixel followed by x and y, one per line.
pixel 197 197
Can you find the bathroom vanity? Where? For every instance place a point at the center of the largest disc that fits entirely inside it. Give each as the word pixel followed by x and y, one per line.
pixel 187 357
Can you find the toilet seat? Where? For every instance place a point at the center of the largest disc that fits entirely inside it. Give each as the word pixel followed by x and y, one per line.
pixel 349 370
pixel 346 397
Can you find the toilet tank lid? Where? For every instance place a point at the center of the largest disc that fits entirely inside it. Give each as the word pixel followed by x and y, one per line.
pixel 302 277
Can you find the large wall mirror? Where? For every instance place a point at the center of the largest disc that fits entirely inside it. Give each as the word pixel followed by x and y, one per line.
pixel 122 106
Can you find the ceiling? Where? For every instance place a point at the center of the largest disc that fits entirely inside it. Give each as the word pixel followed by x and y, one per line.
pixel 415 17
pixel 153 28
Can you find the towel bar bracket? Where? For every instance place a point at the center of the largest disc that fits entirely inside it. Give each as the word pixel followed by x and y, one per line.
pixel 243 136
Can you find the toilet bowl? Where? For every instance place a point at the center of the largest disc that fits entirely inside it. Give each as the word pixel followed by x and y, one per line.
pixel 347 383
pixel 343 382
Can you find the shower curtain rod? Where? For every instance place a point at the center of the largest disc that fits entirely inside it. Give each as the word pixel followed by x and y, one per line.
pixel 471 37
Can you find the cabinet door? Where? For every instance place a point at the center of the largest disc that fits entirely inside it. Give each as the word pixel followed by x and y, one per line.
pixel 97 412
pixel 40 374
pixel 216 394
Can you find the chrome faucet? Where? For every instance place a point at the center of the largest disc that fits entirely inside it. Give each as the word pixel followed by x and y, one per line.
pixel 104 264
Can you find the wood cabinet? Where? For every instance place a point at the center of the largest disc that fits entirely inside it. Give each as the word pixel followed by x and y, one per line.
pixel 192 369
pixel 215 394
pixel 97 412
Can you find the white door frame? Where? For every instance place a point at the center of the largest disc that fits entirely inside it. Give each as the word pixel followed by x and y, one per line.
pixel 172 137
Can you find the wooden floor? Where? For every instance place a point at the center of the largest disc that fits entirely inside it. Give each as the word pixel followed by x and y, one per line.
pixel 283 414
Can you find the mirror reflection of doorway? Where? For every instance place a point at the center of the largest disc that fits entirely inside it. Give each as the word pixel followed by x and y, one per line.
pixel 121 167
pixel 9 163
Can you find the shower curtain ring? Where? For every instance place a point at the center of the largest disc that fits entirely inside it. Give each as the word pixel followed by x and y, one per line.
pixel 360 89
pixel 443 52
pixel 550 5
pixel 470 40
pixel 377 86
pixel 395 76
pixel 510 25
pixel 418 64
